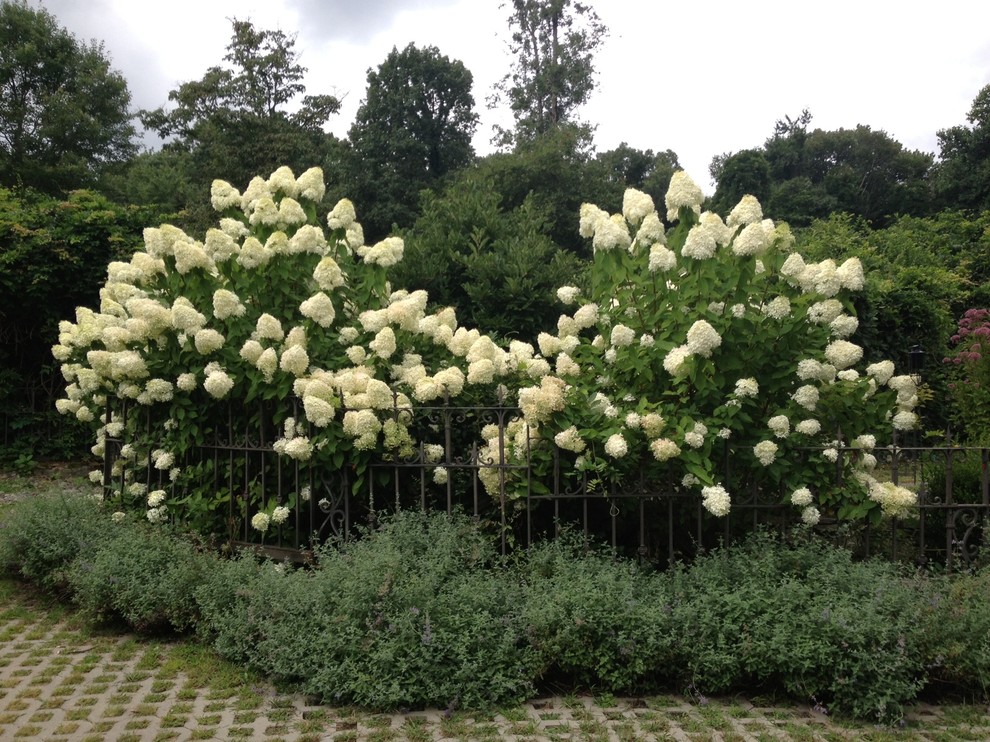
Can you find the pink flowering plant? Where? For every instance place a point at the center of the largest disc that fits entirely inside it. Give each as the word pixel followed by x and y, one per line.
pixel 713 358
pixel 970 362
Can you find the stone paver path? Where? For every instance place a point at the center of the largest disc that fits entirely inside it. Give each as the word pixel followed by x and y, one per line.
pixel 60 680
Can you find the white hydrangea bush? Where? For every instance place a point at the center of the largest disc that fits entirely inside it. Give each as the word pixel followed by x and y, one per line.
pixel 274 304
pixel 711 357
pixel 706 349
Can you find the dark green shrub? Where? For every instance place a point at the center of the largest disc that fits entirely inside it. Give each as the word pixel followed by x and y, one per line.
pixel 596 621
pixel 41 536
pixel 967 476
pixel 957 633
pixel 145 577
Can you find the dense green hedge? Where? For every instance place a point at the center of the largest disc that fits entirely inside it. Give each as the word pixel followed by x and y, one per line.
pixel 423 612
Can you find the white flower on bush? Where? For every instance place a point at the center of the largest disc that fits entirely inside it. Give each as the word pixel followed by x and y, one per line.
pixel 882 371
pixel 801 497
pixel 636 205
pixel 218 383
pixel 650 231
pixel 611 234
pixel 844 326
pixel 700 243
pixel 482 371
pixel 268 328
pixel 319 308
pixel 716 500
pixel 156 498
pixel 310 185
pixel 440 475
pixel 702 339
pixel 866 441
pixel 622 336
pixel 675 359
pixel 747 211
pixel 808 426
pixel 157 515
pixel 810 515
pixel 162 459
pixel 570 440
pixel 664 449
pixel 850 275
pixel 682 191
pixel 294 360
pixel 752 240
pixel 267 363
pixel 652 424
pixel 224 196
pixel 842 353
pixel 661 259
pixel 386 253
pixel 342 216
pixel 778 308
pixel 280 514
pixel 747 387
pixel 260 522
pixel 586 316
pixel 616 446
pixel 905 420
pixel 780 425
pixel 565 366
pixel 806 396
pixel 766 452
pixel 208 341
pixel 895 501
pixel 590 216
pixel 568 294
pixel 696 436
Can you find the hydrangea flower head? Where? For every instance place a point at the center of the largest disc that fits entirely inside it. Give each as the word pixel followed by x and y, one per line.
pixel 682 191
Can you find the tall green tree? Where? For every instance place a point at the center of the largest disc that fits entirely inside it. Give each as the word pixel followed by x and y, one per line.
pixel 495 265
pixel 737 175
pixel 235 120
pixel 802 175
pixel 413 128
pixel 553 73
pixel 962 177
pixel 64 113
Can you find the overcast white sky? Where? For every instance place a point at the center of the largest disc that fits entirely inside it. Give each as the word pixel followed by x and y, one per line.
pixel 697 78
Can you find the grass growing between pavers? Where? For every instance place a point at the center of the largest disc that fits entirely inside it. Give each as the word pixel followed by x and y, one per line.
pixel 61 678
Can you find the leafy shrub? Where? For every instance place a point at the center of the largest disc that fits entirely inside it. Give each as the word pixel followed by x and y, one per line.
pixel 805 617
pixel 957 633
pixel 967 476
pixel 594 620
pixel 146 579
pixel 41 536
pixel 643 378
pixel 415 614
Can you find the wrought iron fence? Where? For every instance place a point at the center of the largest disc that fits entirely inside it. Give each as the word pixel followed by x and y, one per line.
pixel 655 520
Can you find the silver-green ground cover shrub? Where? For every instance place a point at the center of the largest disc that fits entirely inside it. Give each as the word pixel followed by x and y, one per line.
pixel 417 613
pixel 806 618
pixel 422 612
pixel 41 536
pixel 593 619
pixel 146 579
